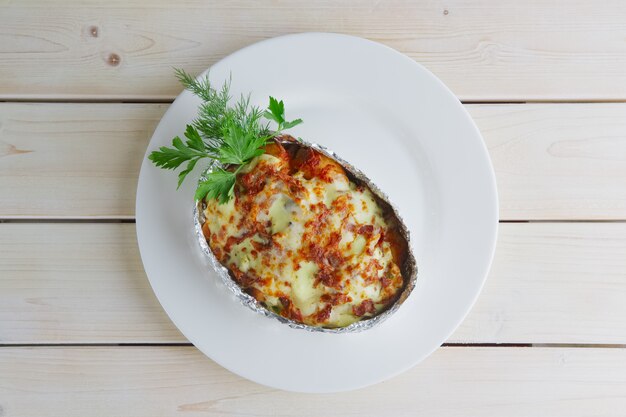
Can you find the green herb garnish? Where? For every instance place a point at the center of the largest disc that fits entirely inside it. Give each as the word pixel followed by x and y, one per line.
pixel 230 135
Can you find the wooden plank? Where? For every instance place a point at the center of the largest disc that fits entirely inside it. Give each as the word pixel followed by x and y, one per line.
pixel 168 381
pixel 484 50
pixel 558 161
pixel 553 283
pixel 552 161
pixel 84 283
pixel 81 283
pixel 72 160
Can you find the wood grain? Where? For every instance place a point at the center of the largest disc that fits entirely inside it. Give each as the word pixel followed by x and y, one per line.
pixel 553 283
pixel 557 161
pixel 168 381
pixel 84 283
pixel 72 160
pixel 552 161
pixel 81 283
pixel 505 50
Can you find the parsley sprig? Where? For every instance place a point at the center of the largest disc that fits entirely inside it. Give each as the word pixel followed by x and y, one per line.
pixel 229 135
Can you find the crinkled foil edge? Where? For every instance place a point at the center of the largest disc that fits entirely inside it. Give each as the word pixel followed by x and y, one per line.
pixel 410 267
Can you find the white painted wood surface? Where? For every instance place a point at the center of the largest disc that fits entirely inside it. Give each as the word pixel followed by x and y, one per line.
pixel 559 284
pixel 172 381
pixel 552 161
pixel 77 283
pixel 503 50
pixel 84 283
pixel 72 160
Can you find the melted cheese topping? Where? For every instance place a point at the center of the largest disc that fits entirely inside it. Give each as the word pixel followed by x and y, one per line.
pixel 305 241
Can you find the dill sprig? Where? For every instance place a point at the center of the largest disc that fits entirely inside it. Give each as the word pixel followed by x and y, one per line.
pixel 230 135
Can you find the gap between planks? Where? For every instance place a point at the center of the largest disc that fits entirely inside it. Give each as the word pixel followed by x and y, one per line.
pixel 170 99
pixel 452 345
pixel 132 220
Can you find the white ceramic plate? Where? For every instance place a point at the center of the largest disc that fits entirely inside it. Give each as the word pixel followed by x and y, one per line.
pixel 404 129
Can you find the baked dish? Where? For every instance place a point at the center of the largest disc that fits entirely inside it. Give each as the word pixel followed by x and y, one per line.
pixel 304 240
pixel 302 235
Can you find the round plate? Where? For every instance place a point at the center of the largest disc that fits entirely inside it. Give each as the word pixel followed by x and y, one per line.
pixel 410 135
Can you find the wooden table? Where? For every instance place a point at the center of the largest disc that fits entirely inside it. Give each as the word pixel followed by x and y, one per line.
pixel 84 84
